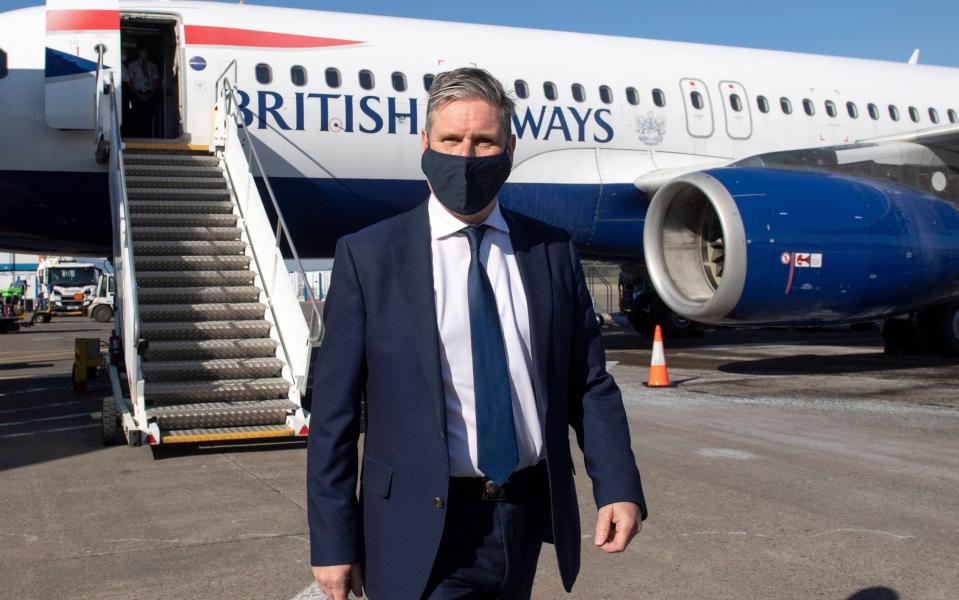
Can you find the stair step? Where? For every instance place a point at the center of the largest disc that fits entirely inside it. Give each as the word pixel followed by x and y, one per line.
pixel 152 170
pixel 198 295
pixel 193 278
pixel 204 330
pixel 212 221
pixel 191 262
pixel 180 234
pixel 169 159
pixel 211 370
pixel 180 207
pixel 220 414
pixel 136 183
pixel 187 392
pixel 224 434
pixel 189 247
pixel 178 313
pixel 210 349
pixel 182 194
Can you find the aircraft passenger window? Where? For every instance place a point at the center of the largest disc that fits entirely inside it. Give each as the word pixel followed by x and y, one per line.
pixel 762 104
pixel 953 117
pixel 399 81
pixel 914 114
pixel 735 102
pixel 521 89
pixel 852 109
pixel 366 79
pixel 696 99
pixel 831 108
pixel 808 106
pixel 428 81
pixel 632 96
pixel 933 115
pixel 786 105
pixel 659 98
pixel 579 94
pixel 549 89
pixel 333 77
pixel 264 74
pixel 298 75
pixel 3 64
pixel 893 112
pixel 605 94
pixel 873 111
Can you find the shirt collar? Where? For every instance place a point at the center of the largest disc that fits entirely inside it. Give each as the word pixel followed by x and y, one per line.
pixel 443 224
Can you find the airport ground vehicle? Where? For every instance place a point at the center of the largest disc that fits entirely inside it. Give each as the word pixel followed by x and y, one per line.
pixel 11 308
pixel 101 308
pixel 66 285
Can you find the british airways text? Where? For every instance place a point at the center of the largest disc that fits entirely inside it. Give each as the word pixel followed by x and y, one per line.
pixel 375 114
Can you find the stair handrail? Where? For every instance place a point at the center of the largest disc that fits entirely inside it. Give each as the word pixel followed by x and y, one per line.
pixel 127 321
pixel 227 103
pixel 281 222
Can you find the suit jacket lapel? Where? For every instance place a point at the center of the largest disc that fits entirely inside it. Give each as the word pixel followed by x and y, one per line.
pixel 534 271
pixel 413 269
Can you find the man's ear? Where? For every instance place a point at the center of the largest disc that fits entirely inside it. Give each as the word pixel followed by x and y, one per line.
pixel 424 140
pixel 511 144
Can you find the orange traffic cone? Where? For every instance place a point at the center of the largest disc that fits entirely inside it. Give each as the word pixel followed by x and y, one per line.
pixel 658 376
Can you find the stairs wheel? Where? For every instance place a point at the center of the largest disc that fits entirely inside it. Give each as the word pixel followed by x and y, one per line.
pixel 110 418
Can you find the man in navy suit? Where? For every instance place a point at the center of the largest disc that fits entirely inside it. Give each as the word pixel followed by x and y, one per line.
pixel 471 333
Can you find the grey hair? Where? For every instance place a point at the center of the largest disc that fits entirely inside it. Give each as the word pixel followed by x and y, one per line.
pixel 469 83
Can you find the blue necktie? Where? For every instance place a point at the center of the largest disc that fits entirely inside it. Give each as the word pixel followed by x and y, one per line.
pixel 495 436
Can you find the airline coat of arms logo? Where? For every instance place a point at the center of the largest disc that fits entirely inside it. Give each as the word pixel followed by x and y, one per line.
pixel 651 128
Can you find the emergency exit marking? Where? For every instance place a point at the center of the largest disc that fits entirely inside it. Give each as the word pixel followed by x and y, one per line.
pixel 786 258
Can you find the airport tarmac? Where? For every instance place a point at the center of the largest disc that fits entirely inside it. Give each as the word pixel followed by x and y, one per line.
pixel 785 464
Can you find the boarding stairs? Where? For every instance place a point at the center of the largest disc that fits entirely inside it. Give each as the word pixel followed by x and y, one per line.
pixel 209 331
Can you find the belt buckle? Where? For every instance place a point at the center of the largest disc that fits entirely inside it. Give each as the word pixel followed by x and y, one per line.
pixel 493 492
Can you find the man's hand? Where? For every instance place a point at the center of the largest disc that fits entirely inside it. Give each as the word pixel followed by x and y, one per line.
pixel 616 525
pixel 338 580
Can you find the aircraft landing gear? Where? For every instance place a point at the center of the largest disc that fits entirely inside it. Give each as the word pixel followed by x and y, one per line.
pixel 648 311
pixel 935 328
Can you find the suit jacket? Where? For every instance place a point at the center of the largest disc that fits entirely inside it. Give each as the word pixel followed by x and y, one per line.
pixel 382 340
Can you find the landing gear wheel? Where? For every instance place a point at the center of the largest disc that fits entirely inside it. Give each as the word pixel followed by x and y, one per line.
pixel 111 422
pixel 900 336
pixel 650 312
pixel 941 325
pixel 102 314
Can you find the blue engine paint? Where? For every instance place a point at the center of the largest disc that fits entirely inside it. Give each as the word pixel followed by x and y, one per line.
pixel 886 249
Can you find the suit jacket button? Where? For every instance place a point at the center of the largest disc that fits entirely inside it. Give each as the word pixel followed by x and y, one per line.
pixel 438 502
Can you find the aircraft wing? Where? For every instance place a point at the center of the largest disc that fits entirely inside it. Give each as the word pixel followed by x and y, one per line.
pixel 945 137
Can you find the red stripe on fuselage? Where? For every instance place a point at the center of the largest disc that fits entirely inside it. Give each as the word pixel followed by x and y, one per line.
pixel 83 20
pixel 204 35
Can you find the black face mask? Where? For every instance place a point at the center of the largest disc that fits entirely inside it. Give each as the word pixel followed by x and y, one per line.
pixel 466 184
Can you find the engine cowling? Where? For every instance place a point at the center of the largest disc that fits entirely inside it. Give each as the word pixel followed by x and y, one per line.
pixel 756 246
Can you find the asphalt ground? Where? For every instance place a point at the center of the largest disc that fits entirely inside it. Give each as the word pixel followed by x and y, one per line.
pixel 785 464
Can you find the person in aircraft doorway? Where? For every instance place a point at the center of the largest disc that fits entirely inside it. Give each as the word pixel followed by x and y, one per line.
pixel 144 79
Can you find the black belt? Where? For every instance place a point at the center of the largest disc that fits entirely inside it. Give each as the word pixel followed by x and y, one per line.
pixel 521 486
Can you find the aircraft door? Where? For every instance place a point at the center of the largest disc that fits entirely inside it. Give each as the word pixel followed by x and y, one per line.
pixel 699 110
pixel 74 29
pixel 739 123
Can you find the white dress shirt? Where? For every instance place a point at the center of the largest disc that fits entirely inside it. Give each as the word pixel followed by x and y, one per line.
pixel 451 261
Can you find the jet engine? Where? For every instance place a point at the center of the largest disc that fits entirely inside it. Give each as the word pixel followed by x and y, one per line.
pixel 758 246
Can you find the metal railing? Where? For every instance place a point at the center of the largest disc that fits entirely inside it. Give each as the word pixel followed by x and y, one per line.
pixel 231 128
pixel 127 321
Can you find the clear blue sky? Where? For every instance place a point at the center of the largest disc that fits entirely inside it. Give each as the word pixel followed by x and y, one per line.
pixel 882 29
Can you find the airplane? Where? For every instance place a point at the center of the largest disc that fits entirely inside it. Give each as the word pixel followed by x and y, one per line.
pixel 745 187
